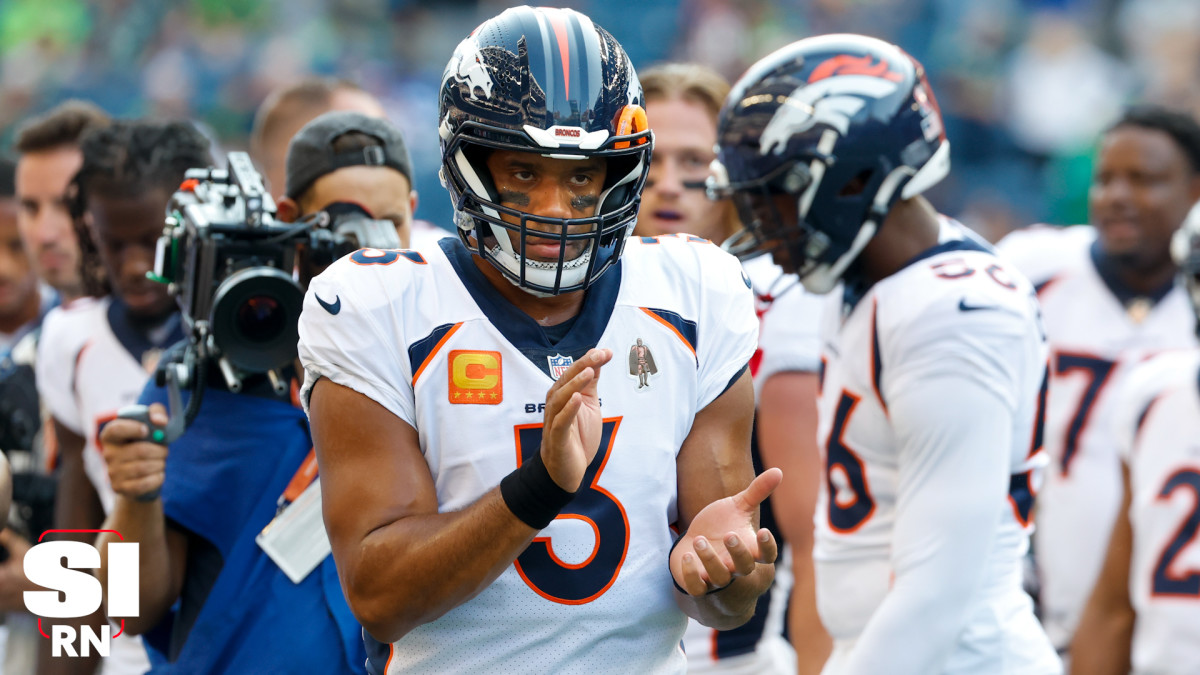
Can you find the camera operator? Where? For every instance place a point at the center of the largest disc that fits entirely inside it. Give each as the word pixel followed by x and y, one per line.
pixel 348 164
pixel 95 355
pixel 245 462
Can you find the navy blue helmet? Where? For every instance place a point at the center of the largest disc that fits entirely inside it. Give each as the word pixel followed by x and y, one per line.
pixel 547 81
pixel 836 128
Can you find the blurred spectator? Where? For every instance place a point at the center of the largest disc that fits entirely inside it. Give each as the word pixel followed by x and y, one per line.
pixel 1063 90
pixel 286 110
pixel 50 156
pixel 1162 38
pixel 22 302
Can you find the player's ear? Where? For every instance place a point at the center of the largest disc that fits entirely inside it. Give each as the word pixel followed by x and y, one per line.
pixel 287 210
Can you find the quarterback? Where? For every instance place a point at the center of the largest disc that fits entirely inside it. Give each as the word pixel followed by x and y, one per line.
pixel 478 522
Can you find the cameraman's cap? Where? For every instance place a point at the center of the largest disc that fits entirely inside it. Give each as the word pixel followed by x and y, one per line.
pixel 310 153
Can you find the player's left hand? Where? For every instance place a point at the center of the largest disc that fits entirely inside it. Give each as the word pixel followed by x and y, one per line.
pixel 721 543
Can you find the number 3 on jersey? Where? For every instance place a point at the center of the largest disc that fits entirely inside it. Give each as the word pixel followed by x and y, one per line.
pixel 578 583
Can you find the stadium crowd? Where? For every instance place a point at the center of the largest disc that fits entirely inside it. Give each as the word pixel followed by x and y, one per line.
pixel 924 407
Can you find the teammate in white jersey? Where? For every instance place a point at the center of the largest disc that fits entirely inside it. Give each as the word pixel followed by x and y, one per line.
pixel 1144 612
pixel 934 363
pixel 683 101
pixel 426 379
pixel 96 354
pixel 1109 300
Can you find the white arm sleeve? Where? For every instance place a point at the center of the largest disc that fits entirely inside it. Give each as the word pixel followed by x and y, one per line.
pixel 955 436
pixel 790 339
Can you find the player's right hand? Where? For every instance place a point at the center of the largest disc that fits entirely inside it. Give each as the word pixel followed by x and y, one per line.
pixel 572 422
pixel 136 466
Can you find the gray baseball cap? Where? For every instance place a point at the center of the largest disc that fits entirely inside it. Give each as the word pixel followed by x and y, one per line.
pixel 310 153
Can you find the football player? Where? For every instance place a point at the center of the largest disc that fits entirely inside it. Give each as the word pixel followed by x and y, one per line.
pixel 1109 297
pixel 96 353
pixel 932 360
pixel 479 523
pixel 1143 615
pixel 683 101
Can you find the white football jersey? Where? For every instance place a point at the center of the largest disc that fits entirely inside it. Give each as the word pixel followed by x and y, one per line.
pixel 90 363
pixel 953 317
pixel 788 339
pixel 1094 341
pixel 1158 431
pixel 430 339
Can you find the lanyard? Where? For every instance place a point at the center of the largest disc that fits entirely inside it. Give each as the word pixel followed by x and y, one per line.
pixel 300 481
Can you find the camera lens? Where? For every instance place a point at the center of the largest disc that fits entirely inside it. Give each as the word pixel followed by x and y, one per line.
pixel 254 318
pixel 260 319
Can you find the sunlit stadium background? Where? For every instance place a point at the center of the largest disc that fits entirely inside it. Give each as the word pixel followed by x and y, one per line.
pixel 1025 85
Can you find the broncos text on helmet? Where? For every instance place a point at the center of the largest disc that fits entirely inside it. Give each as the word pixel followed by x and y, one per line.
pixel 551 82
pixel 836 128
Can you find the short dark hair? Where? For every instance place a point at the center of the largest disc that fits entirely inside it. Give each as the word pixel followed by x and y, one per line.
pixel 8 178
pixel 128 159
pixel 64 124
pixel 1180 126
pixel 306 96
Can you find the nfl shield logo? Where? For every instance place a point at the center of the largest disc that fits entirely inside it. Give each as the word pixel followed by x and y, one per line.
pixel 559 365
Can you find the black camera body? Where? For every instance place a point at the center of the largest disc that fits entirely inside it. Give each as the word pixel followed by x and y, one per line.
pixel 231 267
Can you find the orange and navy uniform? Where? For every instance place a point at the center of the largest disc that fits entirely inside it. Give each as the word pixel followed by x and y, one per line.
pixel 928 428
pixel 429 338
pixel 1156 430
pixel 1097 330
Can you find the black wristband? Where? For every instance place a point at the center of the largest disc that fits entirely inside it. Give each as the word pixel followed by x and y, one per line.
pixel 669 571
pixel 532 495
